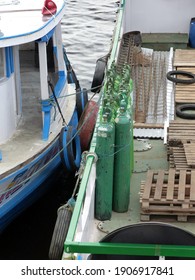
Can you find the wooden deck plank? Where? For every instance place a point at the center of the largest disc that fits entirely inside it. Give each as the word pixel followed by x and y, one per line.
pixel 186 68
pixel 189 149
pixel 159 185
pixel 148 184
pixel 154 209
pixel 192 187
pixel 171 184
pixel 182 184
pixel 184 58
pixel 176 190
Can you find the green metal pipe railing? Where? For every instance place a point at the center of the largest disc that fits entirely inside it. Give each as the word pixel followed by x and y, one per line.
pixel 131 249
pixel 69 242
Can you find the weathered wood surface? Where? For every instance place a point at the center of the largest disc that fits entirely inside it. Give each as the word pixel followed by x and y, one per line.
pixel 184 58
pixel 168 193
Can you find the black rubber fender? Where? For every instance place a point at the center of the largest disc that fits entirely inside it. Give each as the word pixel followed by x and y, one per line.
pixel 81 101
pixel 180 111
pixel 189 75
pixel 98 76
pixel 72 78
pixel 70 148
pixel 59 233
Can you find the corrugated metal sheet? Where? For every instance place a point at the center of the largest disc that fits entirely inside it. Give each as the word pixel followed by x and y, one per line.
pixel 149 132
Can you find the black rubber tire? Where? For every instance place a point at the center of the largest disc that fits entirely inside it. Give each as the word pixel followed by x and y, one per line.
pixel 81 101
pixel 85 98
pixel 135 37
pixel 190 75
pixel 98 76
pixel 59 234
pixel 180 111
pixel 70 150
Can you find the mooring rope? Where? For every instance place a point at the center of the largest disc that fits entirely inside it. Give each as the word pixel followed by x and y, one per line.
pixel 57 154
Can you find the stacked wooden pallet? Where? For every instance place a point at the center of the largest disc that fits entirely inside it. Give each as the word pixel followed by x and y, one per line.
pixel 168 193
pixel 184 60
pixel 181 144
pixel 189 149
pixel 184 57
pixel 172 192
pixel 177 158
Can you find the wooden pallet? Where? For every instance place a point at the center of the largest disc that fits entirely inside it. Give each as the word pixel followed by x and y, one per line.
pixel 181 131
pixel 185 93
pixel 181 144
pixel 177 159
pixel 168 193
pixel 186 68
pixel 184 58
pixel 189 149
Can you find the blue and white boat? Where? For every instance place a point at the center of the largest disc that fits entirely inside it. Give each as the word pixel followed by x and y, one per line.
pixel 39 110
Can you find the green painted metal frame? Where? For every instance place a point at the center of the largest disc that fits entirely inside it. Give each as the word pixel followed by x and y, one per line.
pixel 131 249
pixel 70 246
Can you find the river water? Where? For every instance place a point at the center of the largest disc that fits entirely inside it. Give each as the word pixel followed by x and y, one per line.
pixel 87 32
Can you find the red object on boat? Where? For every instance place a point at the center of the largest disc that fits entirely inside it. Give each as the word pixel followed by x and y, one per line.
pixel 49 8
pixel 87 123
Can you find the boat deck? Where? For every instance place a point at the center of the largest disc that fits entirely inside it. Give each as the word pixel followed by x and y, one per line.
pixel 170 195
pixel 154 158
pixel 27 140
pixel 166 194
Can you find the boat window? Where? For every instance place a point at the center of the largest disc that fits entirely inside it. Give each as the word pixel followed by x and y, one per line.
pixel 1 63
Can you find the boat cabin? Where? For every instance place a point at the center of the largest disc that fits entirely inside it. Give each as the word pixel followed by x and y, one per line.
pixel 32 77
pixel 38 103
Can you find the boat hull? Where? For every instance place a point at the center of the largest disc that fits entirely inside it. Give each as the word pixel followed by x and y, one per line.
pixel 25 185
pixel 40 99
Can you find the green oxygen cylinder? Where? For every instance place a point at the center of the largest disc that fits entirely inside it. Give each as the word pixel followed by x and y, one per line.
pixel 127 94
pixel 104 168
pixel 130 110
pixel 121 184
